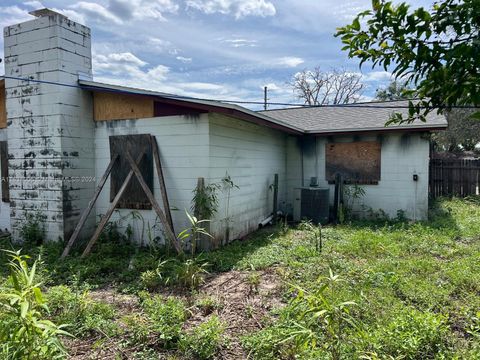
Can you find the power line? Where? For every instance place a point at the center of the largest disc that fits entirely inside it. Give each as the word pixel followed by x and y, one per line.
pixel 369 105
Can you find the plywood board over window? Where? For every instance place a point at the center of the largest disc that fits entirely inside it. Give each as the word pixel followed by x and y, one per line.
pixel 134 197
pixel 358 162
pixel 115 106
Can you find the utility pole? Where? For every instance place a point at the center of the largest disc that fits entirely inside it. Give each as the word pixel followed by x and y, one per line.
pixel 265 98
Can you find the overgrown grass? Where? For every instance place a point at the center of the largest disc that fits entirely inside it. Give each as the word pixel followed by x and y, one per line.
pixel 378 290
pixel 415 287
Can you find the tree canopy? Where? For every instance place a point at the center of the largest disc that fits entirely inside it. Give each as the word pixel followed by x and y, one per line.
pixel 396 90
pixel 436 51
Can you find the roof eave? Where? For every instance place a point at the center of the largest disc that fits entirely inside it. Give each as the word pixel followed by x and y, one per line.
pixel 438 127
pixel 208 105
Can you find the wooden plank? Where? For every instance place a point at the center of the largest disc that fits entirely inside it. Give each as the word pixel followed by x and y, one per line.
pixel 357 162
pixel 110 211
pixel 3 105
pixel 116 106
pixel 89 208
pixel 161 180
pixel 4 171
pixel 155 205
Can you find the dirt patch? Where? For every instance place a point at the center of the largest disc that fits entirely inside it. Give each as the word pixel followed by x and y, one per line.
pixel 245 305
pixel 245 300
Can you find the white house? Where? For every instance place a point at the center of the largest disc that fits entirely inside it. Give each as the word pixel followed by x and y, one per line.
pixel 58 129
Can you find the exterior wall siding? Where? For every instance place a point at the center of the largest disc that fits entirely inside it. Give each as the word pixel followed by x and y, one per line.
pixel 402 155
pixel 184 153
pixel 50 128
pixel 251 155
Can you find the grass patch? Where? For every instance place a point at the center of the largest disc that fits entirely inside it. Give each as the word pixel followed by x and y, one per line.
pixel 378 290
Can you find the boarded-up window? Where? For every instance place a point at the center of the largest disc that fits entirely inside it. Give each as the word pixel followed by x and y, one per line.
pixel 358 162
pixel 134 197
pixel 4 170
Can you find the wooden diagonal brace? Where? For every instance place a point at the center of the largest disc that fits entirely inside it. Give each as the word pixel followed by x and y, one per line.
pixel 89 208
pixel 111 209
pixel 161 180
pixel 158 210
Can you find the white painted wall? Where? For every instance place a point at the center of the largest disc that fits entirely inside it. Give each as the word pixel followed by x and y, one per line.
pixel 208 146
pixel 251 155
pixel 184 153
pixel 402 155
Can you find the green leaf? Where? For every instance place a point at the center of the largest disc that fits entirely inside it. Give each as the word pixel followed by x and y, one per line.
pixel 356 24
pixel 38 295
pixel 24 309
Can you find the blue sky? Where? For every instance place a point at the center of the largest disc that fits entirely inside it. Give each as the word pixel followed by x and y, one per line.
pixel 221 49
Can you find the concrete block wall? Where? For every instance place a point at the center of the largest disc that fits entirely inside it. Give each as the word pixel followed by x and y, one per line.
pixel 251 155
pixel 184 153
pixel 50 127
pixel 402 155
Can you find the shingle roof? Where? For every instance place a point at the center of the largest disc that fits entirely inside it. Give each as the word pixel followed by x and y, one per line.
pixel 353 118
pixel 363 117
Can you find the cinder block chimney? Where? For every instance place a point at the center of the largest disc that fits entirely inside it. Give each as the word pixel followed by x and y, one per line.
pixel 50 122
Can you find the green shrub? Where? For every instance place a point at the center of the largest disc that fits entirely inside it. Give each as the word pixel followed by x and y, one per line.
pixel 138 328
pixel 204 340
pixel 311 323
pixel 161 275
pixel 85 315
pixel 412 334
pixel 190 273
pixel 25 333
pixel 167 316
pixel 33 229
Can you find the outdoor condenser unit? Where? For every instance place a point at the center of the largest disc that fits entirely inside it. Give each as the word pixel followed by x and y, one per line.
pixel 315 204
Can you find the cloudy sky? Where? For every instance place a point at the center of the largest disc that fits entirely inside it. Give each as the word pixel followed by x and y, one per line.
pixel 220 49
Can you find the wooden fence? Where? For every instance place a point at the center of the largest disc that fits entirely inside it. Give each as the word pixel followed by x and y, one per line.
pixel 457 177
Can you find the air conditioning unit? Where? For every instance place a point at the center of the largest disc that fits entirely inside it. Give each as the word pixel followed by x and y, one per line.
pixel 315 204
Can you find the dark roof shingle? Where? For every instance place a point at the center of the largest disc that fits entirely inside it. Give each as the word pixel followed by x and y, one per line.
pixel 352 118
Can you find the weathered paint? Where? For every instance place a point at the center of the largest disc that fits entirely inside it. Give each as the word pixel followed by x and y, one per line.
pixel 402 156
pixel 209 146
pixel 184 153
pixel 50 128
pixel 251 155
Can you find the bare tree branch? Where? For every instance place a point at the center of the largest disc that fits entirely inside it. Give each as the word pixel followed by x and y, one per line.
pixel 316 87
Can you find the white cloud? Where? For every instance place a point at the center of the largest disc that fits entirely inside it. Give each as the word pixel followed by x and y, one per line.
pixel 124 64
pixel 240 42
pixel 159 72
pixel 238 8
pixel 142 9
pixel 34 4
pixel 377 76
pixel 95 11
pixel 126 58
pixel 120 11
pixel 289 61
pixel 184 59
